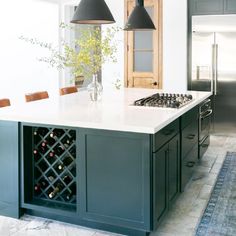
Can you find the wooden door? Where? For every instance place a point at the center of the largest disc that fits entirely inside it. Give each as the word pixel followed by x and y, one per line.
pixel 143 50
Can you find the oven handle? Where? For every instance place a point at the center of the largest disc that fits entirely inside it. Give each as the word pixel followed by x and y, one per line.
pixel 206 114
pixel 205 102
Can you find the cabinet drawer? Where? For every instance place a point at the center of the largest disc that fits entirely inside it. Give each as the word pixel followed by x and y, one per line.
pixel 208 7
pixel 187 166
pixel 189 137
pixel 163 136
pixel 188 117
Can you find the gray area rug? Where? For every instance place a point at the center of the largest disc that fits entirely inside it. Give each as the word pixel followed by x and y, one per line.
pixel 219 217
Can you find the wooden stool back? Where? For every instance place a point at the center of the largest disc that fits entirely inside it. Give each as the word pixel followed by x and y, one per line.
pixel 68 90
pixel 5 102
pixel 30 97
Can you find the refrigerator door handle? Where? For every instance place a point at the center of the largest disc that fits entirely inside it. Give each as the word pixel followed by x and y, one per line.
pixel 216 68
pixel 213 69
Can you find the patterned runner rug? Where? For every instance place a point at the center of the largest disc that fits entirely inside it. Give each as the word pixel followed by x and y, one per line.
pixel 219 218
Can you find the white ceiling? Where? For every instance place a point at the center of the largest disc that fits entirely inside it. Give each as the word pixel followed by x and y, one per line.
pixel 214 23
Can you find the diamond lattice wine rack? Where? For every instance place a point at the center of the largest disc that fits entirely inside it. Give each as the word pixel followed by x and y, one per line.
pixel 52 164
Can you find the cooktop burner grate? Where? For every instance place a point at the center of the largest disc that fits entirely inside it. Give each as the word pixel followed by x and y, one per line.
pixel 169 100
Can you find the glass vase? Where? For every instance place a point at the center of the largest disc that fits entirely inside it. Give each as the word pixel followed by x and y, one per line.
pixel 95 89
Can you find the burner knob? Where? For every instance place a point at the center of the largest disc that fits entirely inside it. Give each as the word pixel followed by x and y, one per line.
pixel 176 104
pixel 189 96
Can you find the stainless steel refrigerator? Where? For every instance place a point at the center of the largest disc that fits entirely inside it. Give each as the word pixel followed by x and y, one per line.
pixel 214 68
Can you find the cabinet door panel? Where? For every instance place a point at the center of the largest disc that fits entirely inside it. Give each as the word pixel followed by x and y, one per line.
pixel 114 178
pixel 230 7
pixel 9 174
pixel 208 7
pixel 160 184
pixel 188 164
pixel 189 137
pixel 173 169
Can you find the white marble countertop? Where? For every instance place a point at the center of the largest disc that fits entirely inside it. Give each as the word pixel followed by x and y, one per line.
pixel 114 112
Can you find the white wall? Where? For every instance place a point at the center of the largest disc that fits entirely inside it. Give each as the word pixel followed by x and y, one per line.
pixel 21 72
pixel 175 45
pixel 113 71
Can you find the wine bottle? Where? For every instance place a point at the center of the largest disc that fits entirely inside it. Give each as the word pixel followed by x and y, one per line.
pixel 56 133
pixel 71 192
pixel 59 150
pixel 51 140
pixel 41 131
pixel 51 178
pixel 57 189
pixel 44 144
pixel 66 162
pixel 43 149
pixel 36 154
pixel 40 185
pixel 67 141
pixel 67 179
pixel 37 138
pixel 51 154
pixel 72 134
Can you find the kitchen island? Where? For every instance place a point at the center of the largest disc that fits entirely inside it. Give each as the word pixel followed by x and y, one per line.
pixel 125 161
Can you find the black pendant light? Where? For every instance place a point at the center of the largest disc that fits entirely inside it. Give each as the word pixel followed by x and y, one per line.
pixel 92 12
pixel 139 19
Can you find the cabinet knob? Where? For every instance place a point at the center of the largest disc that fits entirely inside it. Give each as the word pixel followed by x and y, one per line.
pixel 191 136
pixel 155 83
pixel 190 164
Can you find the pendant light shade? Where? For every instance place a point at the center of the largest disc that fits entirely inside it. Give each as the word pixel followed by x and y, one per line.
pixel 139 19
pixel 92 12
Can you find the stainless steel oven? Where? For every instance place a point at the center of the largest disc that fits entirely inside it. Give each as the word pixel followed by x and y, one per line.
pixel 205 119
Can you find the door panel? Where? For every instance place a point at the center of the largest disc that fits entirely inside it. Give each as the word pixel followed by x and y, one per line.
pixel 173 169
pixel 160 184
pixel 225 106
pixel 202 61
pixel 207 7
pixel 143 54
pixel 229 6
pixel 9 169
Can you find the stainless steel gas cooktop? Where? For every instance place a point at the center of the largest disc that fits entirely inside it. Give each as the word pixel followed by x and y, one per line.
pixel 169 100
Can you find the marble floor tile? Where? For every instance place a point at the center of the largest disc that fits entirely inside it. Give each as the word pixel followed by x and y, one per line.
pixel 180 221
pixel 205 192
pixel 198 207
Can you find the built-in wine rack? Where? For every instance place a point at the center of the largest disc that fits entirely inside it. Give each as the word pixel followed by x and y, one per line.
pixel 54 164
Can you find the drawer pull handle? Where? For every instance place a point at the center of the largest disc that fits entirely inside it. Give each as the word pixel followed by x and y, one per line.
pixel 191 136
pixel 206 114
pixel 190 164
pixel 205 145
pixel 168 132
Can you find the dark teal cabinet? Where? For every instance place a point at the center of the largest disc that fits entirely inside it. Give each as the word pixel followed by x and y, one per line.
pixel 166 176
pixel 114 178
pixel 212 7
pixel 160 206
pixel 229 6
pixel 9 169
pixel 125 182
pixel 173 169
pixel 189 145
pixel 207 7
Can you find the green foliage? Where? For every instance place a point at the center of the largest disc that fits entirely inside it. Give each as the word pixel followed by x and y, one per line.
pixel 87 53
